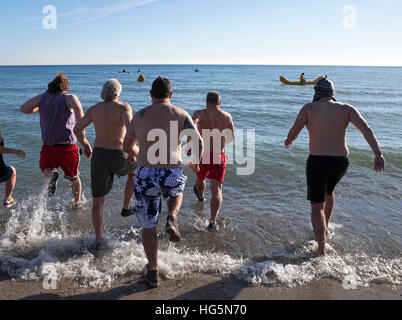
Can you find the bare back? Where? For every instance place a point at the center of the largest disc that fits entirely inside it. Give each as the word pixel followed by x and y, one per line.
pixel 212 119
pixel 111 120
pixel 327 124
pixel 149 124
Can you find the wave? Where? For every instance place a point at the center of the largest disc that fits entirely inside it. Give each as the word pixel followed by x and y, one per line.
pixel 37 245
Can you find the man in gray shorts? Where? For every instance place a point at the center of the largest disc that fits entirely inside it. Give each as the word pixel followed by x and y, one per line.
pixel 111 119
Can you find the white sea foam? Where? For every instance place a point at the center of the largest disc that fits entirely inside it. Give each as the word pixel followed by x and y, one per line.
pixel 37 244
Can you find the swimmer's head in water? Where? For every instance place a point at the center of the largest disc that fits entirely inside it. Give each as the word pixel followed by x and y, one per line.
pixel 59 84
pixel 161 88
pixel 214 98
pixel 111 90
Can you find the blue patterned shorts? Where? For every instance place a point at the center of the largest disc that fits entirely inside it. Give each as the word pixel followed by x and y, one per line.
pixel 151 184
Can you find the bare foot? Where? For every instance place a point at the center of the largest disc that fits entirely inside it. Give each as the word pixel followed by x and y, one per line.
pixel 172 229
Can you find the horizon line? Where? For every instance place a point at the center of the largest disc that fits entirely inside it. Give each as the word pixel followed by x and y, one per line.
pixel 196 64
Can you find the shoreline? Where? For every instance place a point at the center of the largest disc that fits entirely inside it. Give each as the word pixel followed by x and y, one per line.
pixel 202 64
pixel 194 287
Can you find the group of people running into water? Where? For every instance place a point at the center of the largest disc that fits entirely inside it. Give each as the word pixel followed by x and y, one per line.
pixel 125 146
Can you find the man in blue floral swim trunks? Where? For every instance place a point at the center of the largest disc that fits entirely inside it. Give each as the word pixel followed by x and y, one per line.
pixel 159 130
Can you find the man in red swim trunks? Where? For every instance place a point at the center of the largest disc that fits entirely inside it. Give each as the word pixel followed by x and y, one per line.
pixel 217 130
pixel 58 112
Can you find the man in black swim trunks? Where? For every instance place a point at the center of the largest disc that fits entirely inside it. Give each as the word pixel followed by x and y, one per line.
pixel 327 121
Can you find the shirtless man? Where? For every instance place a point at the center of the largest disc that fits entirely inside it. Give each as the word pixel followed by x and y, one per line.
pixel 58 111
pixel 327 122
pixel 213 163
pixel 111 119
pixel 160 171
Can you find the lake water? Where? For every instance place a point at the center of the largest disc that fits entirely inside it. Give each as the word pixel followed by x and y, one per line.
pixel 265 233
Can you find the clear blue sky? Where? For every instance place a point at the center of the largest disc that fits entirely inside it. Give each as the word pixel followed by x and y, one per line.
pixel 298 32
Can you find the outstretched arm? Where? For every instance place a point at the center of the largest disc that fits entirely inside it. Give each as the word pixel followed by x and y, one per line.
pixel 79 131
pixel 31 106
pixel 299 124
pixel 129 144
pixel 230 137
pixel 190 125
pixel 127 118
pixel 196 116
pixel 361 124
pixel 4 150
pixel 196 119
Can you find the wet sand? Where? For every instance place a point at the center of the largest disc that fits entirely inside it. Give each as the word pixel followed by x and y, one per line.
pixel 196 287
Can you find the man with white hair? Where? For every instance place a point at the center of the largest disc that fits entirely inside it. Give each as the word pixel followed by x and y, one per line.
pixel 111 119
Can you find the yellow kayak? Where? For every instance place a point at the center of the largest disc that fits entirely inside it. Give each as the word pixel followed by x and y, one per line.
pixel 141 78
pixel 286 81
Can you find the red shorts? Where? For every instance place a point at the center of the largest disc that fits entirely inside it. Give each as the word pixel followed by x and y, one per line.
pixel 65 157
pixel 211 170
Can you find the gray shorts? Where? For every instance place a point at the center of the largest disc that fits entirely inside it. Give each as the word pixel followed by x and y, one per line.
pixel 105 164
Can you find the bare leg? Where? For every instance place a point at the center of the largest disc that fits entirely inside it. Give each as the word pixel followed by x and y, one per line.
pixel 201 185
pixel 150 243
pixel 329 206
pixel 319 226
pixel 216 199
pixel 128 192
pixel 98 216
pixel 75 186
pixel 10 184
pixel 48 172
pixel 174 206
pixel 53 175
pixel 172 227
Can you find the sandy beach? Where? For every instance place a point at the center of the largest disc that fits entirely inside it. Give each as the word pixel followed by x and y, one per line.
pixel 195 287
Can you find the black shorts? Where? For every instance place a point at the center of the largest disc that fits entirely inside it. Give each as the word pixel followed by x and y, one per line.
pixel 323 174
pixel 5 174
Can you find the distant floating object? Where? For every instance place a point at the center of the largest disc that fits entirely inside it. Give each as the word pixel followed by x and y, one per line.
pixel 141 78
pixel 298 83
pixel 124 71
pixel 196 70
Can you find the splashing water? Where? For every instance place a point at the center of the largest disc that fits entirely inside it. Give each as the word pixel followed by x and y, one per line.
pixel 37 244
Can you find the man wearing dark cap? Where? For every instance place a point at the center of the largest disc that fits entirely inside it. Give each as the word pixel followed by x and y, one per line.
pixel 327 121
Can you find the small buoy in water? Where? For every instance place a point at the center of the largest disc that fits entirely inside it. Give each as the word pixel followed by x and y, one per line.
pixel 141 78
